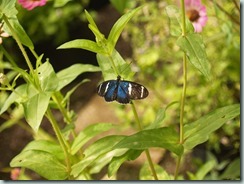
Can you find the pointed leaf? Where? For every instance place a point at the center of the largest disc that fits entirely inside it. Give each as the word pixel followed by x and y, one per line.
pixel 35 108
pixel 164 137
pixel 43 163
pixel 97 149
pixel 15 96
pixel 67 75
pixel 194 48
pixel 119 26
pixel 118 161
pixel 83 44
pixel 7 7
pixel 175 19
pixel 47 146
pixel 24 38
pixel 199 131
pixel 88 133
pixel 108 72
pixel 47 77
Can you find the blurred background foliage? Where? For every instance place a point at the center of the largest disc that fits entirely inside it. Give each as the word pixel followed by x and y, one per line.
pixel 156 58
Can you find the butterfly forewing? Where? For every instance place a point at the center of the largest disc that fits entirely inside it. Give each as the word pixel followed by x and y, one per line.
pixel 136 91
pixel 108 90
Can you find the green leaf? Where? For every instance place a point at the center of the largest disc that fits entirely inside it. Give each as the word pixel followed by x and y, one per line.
pixel 233 171
pixel 193 46
pixel 88 133
pixel 104 159
pixel 47 77
pixel 15 96
pixel 119 26
pixel 165 137
pixel 43 163
pixel 120 5
pixel 90 19
pixel 47 146
pixel 105 64
pixel 146 173
pixel 93 27
pixel 118 161
pixel 205 169
pixel 199 131
pixel 175 19
pixel 7 7
pixel 97 149
pixel 159 117
pixel 67 75
pixel 35 108
pixel 83 44
pixel 24 38
pixel 60 3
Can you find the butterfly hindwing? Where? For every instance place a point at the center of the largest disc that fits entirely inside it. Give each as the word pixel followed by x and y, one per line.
pixel 122 95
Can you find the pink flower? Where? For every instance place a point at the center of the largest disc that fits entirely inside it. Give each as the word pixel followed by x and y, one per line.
pixel 31 4
pixel 196 13
pixel 15 173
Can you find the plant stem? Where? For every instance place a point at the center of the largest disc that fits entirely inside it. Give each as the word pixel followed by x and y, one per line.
pixel 22 49
pixel 61 140
pixel 146 151
pixel 183 96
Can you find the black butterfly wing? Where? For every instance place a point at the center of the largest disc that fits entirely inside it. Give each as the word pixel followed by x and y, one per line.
pixel 108 90
pixel 134 90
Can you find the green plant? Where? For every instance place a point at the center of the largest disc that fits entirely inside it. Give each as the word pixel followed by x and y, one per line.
pixel 67 156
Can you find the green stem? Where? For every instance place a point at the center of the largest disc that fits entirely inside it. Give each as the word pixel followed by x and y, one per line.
pixel 22 49
pixel 183 96
pixel 8 56
pixel 146 151
pixel 63 111
pixel 61 140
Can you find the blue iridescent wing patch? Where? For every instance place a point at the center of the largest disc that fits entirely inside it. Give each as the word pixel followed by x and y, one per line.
pixel 122 91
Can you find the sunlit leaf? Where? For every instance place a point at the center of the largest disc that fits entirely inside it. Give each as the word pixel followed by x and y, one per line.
pixel 83 44
pixel 7 7
pixel 97 149
pixel 165 137
pixel 193 46
pixel 17 96
pixel 20 32
pixel 47 146
pixel 67 75
pixel 35 108
pixel 199 131
pixel 43 163
pixel 88 133
pixel 47 77
pixel 119 26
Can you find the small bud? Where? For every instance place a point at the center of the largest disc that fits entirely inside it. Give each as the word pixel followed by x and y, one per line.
pixel 3 79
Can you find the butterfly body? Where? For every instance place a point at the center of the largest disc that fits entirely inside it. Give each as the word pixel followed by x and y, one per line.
pixel 121 90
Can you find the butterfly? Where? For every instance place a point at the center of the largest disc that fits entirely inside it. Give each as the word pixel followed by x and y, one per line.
pixel 121 90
